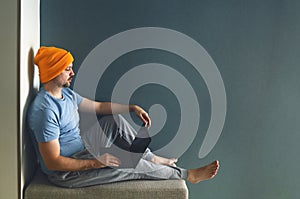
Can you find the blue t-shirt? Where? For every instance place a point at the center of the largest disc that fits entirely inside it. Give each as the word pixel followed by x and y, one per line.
pixel 50 118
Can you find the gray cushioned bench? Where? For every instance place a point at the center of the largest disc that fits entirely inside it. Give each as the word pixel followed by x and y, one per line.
pixel 40 188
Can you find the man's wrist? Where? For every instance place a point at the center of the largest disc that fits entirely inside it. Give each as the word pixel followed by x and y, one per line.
pixel 132 108
pixel 96 164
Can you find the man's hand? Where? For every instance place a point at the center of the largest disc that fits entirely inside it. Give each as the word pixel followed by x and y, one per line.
pixel 143 115
pixel 107 160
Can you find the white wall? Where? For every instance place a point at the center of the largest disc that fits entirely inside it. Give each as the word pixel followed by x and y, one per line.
pixel 29 81
pixel 18 82
pixel 9 99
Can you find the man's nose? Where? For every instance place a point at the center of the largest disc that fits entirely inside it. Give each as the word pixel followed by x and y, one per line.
pixel 72 73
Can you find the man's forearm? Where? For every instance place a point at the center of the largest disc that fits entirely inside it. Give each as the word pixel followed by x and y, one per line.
pixel 114 108
pixel 70 164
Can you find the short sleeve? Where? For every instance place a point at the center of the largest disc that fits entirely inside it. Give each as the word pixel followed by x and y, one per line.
pixel 48 127
pixel 78 98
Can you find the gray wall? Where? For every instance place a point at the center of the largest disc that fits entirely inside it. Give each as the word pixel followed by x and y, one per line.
pixel 255 45
pixel 9 183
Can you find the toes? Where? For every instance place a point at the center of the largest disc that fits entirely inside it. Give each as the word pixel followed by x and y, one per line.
pixel 216 163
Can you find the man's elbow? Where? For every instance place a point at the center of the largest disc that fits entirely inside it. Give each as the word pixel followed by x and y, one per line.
pixel 53 164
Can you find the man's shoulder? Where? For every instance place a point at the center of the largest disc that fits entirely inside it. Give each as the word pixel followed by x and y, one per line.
pixel 41 102
pixel 42 98
pixel 38 108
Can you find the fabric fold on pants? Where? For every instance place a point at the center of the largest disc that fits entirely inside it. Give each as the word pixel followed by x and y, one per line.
pixel 103 134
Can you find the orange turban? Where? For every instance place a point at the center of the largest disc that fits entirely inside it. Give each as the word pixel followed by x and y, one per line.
pixel 52 62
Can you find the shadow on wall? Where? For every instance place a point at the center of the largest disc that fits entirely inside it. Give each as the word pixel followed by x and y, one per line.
pixel 29 160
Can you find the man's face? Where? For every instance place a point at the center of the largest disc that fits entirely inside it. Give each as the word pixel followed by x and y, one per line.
pixel 65 78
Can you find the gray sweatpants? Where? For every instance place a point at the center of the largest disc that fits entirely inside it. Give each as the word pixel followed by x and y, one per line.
pixel 114 127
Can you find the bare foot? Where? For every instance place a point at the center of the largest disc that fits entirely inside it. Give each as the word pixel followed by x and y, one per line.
pixel 204 173
pixel 165 161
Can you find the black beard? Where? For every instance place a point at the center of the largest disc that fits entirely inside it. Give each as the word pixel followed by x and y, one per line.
pixel 66 85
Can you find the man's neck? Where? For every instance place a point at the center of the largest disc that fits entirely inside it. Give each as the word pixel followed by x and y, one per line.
pixel 53 90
